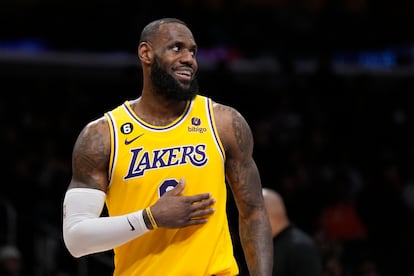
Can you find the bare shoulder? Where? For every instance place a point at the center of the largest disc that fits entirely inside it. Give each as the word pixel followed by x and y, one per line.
pixel 95 132
pixel 232 127
pixel 90 155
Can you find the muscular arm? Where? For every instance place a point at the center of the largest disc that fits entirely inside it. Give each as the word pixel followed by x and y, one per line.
pixel 84 231
pixel 90 157
pixel 244 180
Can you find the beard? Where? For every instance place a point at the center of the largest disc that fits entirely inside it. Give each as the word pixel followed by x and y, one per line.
pixel 168 87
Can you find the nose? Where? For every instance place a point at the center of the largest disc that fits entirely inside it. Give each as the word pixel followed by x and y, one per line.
pixel 188 57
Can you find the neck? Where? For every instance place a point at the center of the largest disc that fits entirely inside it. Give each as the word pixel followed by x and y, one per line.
pixel 280 227
pixel 157 111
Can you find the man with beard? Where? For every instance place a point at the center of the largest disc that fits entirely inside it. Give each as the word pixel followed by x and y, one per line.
pixel 160 163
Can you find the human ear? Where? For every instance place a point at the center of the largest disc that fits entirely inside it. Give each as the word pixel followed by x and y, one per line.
pixel 145 52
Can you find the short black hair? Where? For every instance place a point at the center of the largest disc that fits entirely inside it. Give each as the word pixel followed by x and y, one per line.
pixel 152 28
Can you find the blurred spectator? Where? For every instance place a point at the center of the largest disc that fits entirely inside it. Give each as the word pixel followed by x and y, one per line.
pixel 295 252
pixel 366 266
pixel 331 253
pixel 340 218
pixel 342 222
pixel 332 266
pixel 11 263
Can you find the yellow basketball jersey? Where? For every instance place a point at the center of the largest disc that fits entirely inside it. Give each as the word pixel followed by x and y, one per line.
pixel 146 161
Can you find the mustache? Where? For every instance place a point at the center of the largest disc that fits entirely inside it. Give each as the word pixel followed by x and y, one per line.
pixel 167 86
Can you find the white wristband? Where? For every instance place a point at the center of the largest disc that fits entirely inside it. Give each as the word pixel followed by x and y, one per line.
pixel 86 232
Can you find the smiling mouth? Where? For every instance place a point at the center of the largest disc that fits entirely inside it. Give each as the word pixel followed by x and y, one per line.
pixel 184 75
pixel 185 72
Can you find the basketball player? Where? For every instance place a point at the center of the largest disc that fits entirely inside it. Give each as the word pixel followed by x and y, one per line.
pixel 160 163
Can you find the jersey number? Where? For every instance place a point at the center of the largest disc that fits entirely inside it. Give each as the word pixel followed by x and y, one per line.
pixel 166 186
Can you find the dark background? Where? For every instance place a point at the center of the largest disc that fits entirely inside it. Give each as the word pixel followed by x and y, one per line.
pixel 325 85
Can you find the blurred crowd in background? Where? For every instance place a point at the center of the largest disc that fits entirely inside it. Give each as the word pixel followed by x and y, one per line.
pixel 332 125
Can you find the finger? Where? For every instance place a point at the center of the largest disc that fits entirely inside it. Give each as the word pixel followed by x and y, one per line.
pixel 198 205
pixel 178 189
pixel 197 221
pixel 200 198
pixel 202 214
pixel 181 185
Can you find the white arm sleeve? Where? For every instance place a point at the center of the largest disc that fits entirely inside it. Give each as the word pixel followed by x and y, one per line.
pixel 86 232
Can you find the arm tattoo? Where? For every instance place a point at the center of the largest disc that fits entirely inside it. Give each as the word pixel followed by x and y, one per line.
pixel 91 155
pixel 242 132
